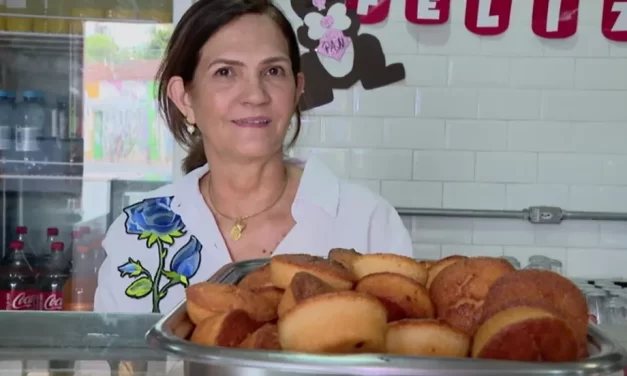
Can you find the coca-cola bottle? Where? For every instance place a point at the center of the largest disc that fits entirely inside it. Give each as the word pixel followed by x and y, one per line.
pixel 21 233
pixel 18 284
pixel 53 278
pixel 52 234
pixel 80 288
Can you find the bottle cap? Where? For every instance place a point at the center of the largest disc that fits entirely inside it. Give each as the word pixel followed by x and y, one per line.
pixel 56 246
pixel 52 231
pixel 17 244
pixel 21 230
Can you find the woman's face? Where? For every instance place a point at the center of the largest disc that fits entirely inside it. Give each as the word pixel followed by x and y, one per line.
pixel 243 94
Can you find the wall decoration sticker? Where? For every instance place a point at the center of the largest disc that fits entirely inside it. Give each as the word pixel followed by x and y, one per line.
pixel 427 12
pixel 338 55
pixel 487 18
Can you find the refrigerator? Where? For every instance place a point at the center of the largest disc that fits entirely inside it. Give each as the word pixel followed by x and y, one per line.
pixel 80 132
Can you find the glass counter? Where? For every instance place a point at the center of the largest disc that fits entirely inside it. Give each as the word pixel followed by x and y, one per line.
pixel 79 343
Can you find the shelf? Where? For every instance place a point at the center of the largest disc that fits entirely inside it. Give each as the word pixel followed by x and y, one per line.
pixel 40 42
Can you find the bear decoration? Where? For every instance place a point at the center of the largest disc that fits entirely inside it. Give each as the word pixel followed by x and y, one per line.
pixel 330 34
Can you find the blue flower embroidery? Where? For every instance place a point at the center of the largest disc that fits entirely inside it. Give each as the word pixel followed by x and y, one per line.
pixel 187 260
pixel 153 220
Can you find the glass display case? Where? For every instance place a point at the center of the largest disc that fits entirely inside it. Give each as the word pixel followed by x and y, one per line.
pixel 80 136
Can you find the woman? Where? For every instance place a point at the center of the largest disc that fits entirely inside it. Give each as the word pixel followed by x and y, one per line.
pixel 229 86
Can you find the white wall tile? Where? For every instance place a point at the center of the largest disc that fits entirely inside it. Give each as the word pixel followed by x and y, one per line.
pixel 506 167
pixel 509 104
pixel 499 231
pixel 476 135
pixel 442 103
pixel 521 196
pixel 413 133
pixel 473 71
pixel 393 100
pixel 381 164
pixel 412 194
pixel 542 73
pixel 474 196
pixel 351 131
pixel 599 73
pixel 442 230
pixel 444 165
pixel 427 251
pixel 549 136
pixel 471 250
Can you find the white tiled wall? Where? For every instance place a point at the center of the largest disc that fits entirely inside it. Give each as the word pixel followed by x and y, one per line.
pixel 499 122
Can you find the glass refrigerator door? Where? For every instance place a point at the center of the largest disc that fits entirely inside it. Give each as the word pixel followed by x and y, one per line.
pixel 77 111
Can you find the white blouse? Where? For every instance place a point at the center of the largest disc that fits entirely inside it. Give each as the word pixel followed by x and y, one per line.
pixel 170 240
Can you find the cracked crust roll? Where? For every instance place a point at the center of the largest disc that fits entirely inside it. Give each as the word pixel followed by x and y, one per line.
pixel 284 267
pixel 458 292
pixel 208 299
pixel 227 329
pixel 390 263
pixel 264 338
pixel 402 296
pixel 303 286
pixel 342 322
pixel 435 338
pixel 256 279
pixel 527 334
pixel 344 256
pixel 442 264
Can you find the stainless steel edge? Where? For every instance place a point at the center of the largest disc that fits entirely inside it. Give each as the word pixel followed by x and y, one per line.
pixel 610 358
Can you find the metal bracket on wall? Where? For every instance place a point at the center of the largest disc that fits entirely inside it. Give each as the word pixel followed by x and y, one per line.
pixel 533 214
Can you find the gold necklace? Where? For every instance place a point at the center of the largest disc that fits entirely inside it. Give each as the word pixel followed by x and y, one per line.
pixel 238 222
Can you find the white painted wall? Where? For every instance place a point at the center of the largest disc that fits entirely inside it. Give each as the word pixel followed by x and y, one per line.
pixel 499 122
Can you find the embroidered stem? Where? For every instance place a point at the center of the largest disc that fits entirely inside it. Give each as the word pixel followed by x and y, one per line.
pixel 156 299
pixel 167 286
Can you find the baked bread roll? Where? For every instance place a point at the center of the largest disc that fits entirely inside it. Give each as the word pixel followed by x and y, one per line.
pixel 303 286
pixel 345 257
pixel 442 264
pixel 543 289
pixel 525 334
pixel 391 263
pixel 426 338
pixel 226 329
pixel 272 294
pixel 257 278
pixel 264 338
pixel 427 263
pixel 284 267
pixel 402 296
pixel 335 323
pixel 208 299
pixel 459 290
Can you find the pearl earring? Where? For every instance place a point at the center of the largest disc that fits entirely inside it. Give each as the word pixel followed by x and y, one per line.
pixel 191 129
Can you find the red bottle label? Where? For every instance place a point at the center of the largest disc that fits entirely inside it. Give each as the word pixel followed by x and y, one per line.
pixel 19 300
pixel 51 301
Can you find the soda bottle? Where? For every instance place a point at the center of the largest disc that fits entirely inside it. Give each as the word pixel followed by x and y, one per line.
pixel 18 284
pixel 29 252
pixel 80 288
pixel 53 278
pixel 51 236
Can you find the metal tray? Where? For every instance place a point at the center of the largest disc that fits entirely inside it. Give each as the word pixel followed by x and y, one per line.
pixel 169 333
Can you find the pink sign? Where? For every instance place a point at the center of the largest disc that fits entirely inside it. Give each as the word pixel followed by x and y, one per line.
pixel 614 21
pixel 488 17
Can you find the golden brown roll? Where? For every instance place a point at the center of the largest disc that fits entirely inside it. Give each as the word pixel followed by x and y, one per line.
pixel 256 279
pixel 391 263
pixel 264 338
pixel 270 293
pixel 427 263
pixel 426 338
pixel 441 265
pixel 543 289
pixel 208 299
pixel 284 267
pixel 335 323
pixel 345 257
pixel 458 292
pixel 402 296
pixel 226 329
pixel 303 286
pixel 525 334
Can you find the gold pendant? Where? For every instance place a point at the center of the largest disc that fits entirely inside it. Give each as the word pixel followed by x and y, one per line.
pixel 237 230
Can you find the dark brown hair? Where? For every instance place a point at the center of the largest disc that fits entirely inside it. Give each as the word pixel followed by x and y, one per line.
pixel 201 21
